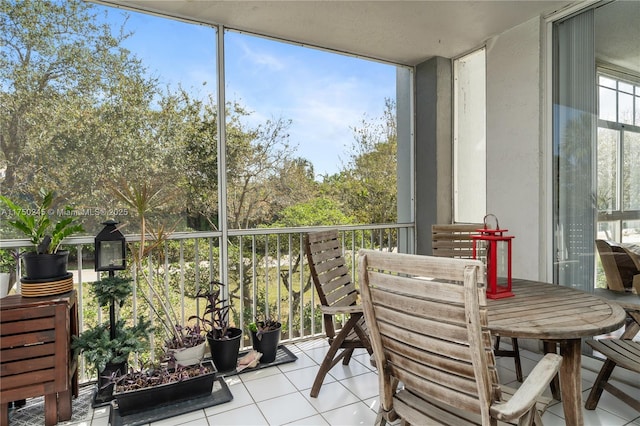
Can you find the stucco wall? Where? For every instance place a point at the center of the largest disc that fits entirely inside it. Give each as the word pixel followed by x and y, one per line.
pixel 432 149
pixel 513 139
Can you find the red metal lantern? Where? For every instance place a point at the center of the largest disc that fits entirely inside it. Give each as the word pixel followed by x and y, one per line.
pixel 494 249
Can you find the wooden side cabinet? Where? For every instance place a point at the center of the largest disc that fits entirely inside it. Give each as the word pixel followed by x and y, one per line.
pixel 35 353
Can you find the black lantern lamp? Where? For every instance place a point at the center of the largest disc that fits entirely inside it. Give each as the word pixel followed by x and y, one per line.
pixel 110 246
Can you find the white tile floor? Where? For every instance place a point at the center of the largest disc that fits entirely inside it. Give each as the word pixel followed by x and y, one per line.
pixel 280 395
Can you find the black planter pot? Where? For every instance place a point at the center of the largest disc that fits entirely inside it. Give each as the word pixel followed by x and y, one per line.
pixel 157 396
pixel 45 266
pixel 267 344
pixel 104 387
pixel 224 352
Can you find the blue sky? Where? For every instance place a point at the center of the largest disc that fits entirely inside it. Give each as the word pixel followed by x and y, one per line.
pixel 324 94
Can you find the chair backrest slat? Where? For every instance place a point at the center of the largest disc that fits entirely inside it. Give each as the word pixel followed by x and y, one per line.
pixel 328 267
pixel 343 296
pixel 454 240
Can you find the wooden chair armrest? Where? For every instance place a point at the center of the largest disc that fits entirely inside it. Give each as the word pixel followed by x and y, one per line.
pixel 534 385
pixel 335 310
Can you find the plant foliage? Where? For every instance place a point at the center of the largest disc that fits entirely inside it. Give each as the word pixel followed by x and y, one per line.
pixel 109 289
pixel 215 318
pixel 262 326
pixel 99 349
pixel 158 375
pixel 36 224
pixel 185 337
pixel 8 261
pixel 96 344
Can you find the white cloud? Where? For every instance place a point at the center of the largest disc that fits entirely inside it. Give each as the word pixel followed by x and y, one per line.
pixel 325 95
pixel 262 59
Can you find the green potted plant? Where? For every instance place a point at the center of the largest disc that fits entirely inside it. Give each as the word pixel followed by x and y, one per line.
pixel 107 346
pixel 183 345
pixel 46 262
pixel 224 340
pixel 8 263
pixel 265 337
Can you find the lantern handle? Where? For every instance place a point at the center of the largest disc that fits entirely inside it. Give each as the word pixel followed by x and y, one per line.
pixel 485 220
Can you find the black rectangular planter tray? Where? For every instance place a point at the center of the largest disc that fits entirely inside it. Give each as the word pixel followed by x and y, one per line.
pixel 142 399
pixel 220 395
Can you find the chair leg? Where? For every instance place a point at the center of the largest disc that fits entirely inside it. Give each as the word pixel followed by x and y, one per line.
pixel 330 359
pixel 364 338
pixel 528 419
pixel 346 356
pixel 537 419
pixel 598 386
pixel 515 353
pixel 516 359
pixel 326 365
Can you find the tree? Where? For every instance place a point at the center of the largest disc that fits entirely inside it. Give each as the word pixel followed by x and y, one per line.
pixel 316 212
pixel 56 65
pixel 256 158
pixel 367 185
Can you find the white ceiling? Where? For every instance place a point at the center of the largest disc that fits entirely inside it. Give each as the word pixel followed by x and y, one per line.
pixel 617 34
pixel 402 32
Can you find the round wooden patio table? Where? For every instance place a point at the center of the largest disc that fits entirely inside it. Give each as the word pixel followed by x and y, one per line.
pixel 556 314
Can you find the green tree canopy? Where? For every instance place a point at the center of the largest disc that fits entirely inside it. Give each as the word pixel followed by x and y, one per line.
pixel 81 115
pixel 366 186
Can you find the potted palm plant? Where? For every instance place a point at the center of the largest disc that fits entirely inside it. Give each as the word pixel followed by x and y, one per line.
pixel 46 262
pixel 224 340
pixel 107 346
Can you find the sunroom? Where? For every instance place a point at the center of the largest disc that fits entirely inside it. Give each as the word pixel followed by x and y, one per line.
pixel 529 111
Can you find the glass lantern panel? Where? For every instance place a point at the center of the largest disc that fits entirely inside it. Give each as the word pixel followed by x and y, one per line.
pixel 481 251
pixel 111 254
pixel 502 262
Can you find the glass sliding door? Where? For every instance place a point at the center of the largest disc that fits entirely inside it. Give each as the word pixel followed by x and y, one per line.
pixel 596 138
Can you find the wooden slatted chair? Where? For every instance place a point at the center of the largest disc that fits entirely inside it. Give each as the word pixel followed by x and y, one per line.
pixel 427 320
pixel 338 296
pixel 623 353
pixel 619 267
pixel 454 241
